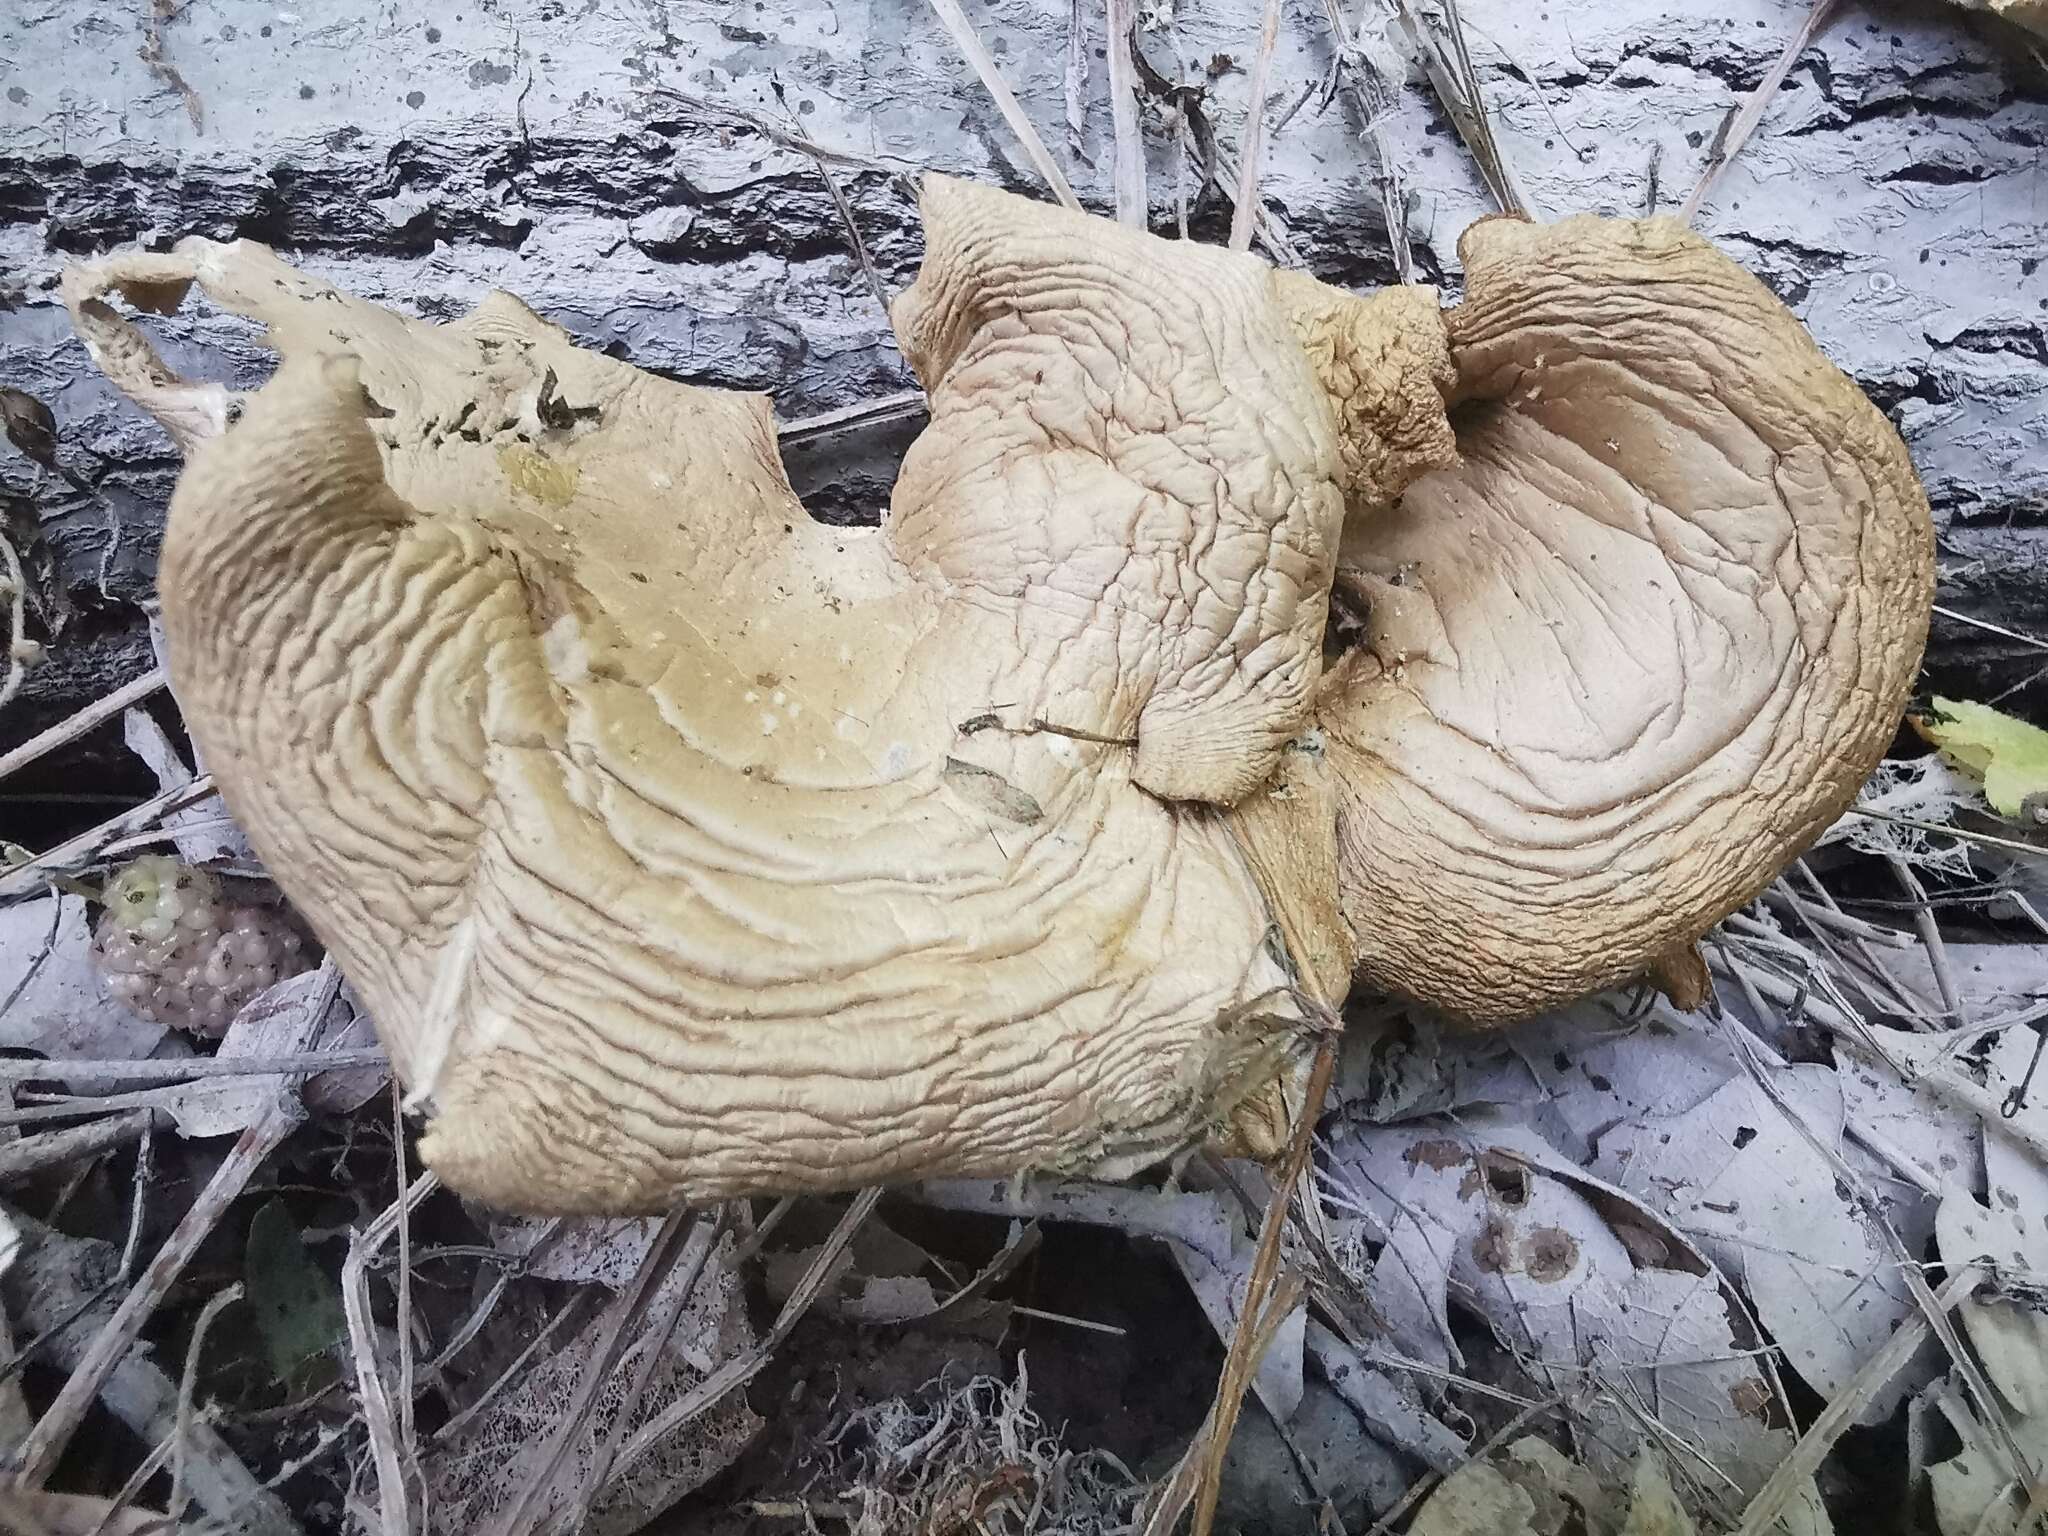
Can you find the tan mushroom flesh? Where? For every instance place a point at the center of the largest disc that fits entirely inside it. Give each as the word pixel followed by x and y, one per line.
pixel 1638 647
pixel 682 847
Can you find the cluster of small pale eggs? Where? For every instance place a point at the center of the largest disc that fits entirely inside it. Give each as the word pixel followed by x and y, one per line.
pixel 175 949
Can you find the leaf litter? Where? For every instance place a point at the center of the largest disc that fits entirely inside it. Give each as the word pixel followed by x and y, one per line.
pixel 1619 1248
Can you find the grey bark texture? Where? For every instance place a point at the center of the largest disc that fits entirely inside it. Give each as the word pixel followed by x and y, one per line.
pixel 422 154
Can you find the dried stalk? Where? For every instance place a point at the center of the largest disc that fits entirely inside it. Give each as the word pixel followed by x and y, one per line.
pixel 1133 201
pixel 1449 66
pixel 394 1514
pixel 47 1291
pixel 740 1370
pixel 146 1070
pixel 46 1444
pixel 968 41
pixel 1254 151
pixel 87 719
pixel 530 1506
pixel 705 1237
pixel 187 1385
pixel 1242 1360
pixel 1744 124
pixel 27 879
pixel 1393 199
pixel 53 1149
pixel 1872 1377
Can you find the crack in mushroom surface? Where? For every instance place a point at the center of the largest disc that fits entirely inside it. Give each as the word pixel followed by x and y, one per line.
pixel 682 847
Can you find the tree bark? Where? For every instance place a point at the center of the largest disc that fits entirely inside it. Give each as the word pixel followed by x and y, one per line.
pixel 1893 195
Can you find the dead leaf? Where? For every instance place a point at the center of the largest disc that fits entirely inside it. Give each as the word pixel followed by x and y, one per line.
pixel 282 1020
pixel 61 1010
pixel 1744 1184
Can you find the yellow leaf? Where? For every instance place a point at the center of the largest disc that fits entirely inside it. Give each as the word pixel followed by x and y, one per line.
pixel 2009 755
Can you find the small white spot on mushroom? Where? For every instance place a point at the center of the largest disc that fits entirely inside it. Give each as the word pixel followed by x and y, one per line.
pixel 1062 750
pixel 896 761
pixel 751 697
pixel 565 650
pixel 659 479
pixel 778 698
pixel 768 724
pixel 846 655
pixel 848 728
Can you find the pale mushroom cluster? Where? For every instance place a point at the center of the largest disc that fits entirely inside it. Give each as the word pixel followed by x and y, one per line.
pixel 1228 637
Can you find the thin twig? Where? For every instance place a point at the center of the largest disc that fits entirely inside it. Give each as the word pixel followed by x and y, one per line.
pixel 534 1499
pixel 1449 67
pixel 1393 199
pixel 45 1446
pixel 394 1511
pixel 572 1310
pixel 1872 1377
pixel 1075 79
pixel 1930 937
pixel 95 714
pixel 27 879
pixel 406 1441
pixel 968 41
pixel 897 407
pixel 741 1369
pixel 138 1069
pixel 705 1237
pixel 1133 202
pixel 1239 1363
pixel 52 1149
pixel 1253 151
pixel 1729 145
pixel 187 1384
pixel 2032 642
pixel 1985 839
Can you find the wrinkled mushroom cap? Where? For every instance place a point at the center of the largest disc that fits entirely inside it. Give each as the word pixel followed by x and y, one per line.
pixel 1639 646
pixel 683 848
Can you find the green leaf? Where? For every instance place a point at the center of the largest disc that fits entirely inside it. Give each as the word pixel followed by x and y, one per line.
pixel 2008 755
pixel 297 1307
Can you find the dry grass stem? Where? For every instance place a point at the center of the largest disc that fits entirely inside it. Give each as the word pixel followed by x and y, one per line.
pixel 1243 1357
pixel 189 1068
pixel 1253 152
pixel 394 1512
pixel 971 47
pixel 741 1369
pixel 2019 637
pixel 1361 94
pixel 74 853
pixel 187 1384
pixel 1133 206
pixel 46 1444
pixel 1797 1469
pixel 531 1505
pixel 53 1149
pixel 94 715
pixel 1448 64
pixel 897 407
pixel 1730 143
pixel 705 1237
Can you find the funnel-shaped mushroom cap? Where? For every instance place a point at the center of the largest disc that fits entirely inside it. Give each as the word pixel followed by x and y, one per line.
pixel 683 847
pixel 1639 646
